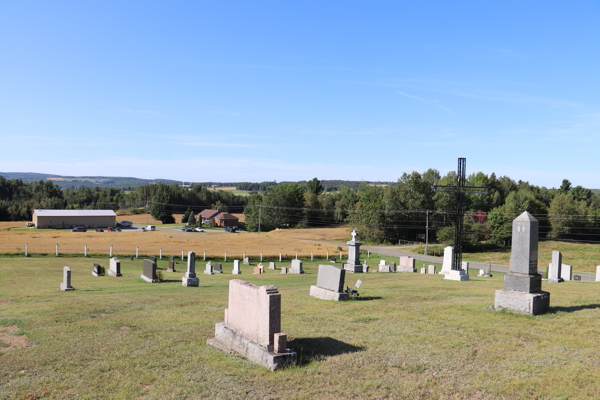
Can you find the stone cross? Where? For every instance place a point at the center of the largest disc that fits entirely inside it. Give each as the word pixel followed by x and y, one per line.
pixel 354 233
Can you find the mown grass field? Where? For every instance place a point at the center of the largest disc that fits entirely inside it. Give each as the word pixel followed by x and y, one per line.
pixel 410 336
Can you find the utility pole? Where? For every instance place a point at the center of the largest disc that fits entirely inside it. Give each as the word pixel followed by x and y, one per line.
pixel 259 215
pixel 426 230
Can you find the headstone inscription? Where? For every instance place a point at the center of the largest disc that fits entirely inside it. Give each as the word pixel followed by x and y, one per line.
pixel 554 268
pixel 297 267
pixel 190 278
pixel 252 326
pixel 66 283
pixel 330 283
pixel 149 274
pixel 97 270
pixel 114 267
pixel 522 291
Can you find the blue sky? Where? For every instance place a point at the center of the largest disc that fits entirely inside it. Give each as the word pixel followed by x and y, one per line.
pixel 253 91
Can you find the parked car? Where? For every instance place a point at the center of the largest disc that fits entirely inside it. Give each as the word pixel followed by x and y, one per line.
pixel 143 229
pixel 99 230
pixel 199 229
pixel 110 229
pixel 125 224
pixel 79 229
pixel 150 228
pixel 117 229
pixel 186 229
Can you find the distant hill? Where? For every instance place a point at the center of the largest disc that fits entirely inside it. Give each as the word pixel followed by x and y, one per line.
pixel 66 182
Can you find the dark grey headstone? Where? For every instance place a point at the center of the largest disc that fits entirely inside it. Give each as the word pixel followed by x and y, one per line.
pixel 150 269
pixel 524 244
pixel 172 264
pixel 576 277
pixel 523 283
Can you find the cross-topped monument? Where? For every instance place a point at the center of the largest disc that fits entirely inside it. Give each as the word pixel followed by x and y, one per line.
pixel 460 191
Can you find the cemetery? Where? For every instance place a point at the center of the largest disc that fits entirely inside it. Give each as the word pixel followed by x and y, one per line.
pixel 227 336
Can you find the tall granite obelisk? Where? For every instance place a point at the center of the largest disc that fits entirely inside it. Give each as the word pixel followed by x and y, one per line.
pixel 523 285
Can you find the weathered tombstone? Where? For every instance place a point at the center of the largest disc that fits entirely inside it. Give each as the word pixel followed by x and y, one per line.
pixel 393 267
pixel 385 267
pixel 431 269
pixel 566 272
pixel 189 278
pixel 252 326
pixel 218 268
pixel 153 258
pixel 284 270
pixel 554 269
pixel 262 268
pixel 97 270
pixel 407 264
pixel 297 267
pixel 149 274
pixel 85 248
pixel 597 273
pixel 423 271
pixel 172 265
pixel 576 277
pixel 236 267
pixel 257 270
pixel 114 267
pixel 486 272
pixel 333 260
pixel 465 266
pixel 272 265
pixel 246 261
pixel 57 249
pixel 365 267
pixel 522 291
pixel 330 283
pixel 353 264
pixel 208 268
pixel 448 259
pixel 66 283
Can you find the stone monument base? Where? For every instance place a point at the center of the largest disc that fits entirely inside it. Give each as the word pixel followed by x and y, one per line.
pixel 95 274
pixel 552 280
pixel 525 303
pixel 326 294
pixel 150 280
pixel 457 275
pixel 190 281
pixel 232 341
pixel 405 269
pixel 113 273
pixel 65 288
pixel 234 272
pixel 354 268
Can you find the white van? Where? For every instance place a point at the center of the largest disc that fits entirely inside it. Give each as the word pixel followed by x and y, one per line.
pixel 151 228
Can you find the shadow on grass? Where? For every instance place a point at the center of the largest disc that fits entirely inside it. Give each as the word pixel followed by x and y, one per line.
pixel 554 310
pixel 367 298
pixel 315 349
pixel 170 280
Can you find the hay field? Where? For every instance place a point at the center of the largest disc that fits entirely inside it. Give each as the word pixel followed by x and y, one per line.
pixel 12 224
pixel 125 243
pixel 340 234
pixel 411 336
pixel 142 218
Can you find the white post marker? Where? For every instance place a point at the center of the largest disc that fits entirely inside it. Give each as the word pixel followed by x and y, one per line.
pixel 25 249
pixel 57 249
pixel 137 252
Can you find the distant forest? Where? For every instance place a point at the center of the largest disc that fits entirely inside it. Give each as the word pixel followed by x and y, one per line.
pixel 383 212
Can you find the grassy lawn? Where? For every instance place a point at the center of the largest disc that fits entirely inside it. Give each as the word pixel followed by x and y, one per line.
pixel 410 336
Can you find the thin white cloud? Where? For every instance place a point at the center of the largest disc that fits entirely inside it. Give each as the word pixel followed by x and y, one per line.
pixel 432 102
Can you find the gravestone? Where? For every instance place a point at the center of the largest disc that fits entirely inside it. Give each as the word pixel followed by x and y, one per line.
pixel 246 261
pixel 385 267
pixel 522 291
pixel 153 258
pixel 297 267
pixel 393 267
pixel 576 277
pixel 190 278
pixel 597 273
pixel 448 259
pixel 566 272
pixel 554 268
pixel 431 269
pixel 236 268
pixel 149 274
pixel 66 283
pixel 172 265
pixel 218 269
pixel 353 264
pixel 97 270
pixel 284 270
pixel 486 272
pixel 257 270
pixel 330 283
pixel 407 264
pixel 272 265
pixel 465 266
pixel 208 268
pixel 252 326
pixel 262 268
pixel 114 267
pixel 333 260
pixel 365 267
pixel 423 270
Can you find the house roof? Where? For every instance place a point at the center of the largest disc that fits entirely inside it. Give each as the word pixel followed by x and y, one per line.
pixel 225 215
pixel 208 214
pixel 75 213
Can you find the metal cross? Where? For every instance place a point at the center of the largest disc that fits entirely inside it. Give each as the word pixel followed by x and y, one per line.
pixel 460 190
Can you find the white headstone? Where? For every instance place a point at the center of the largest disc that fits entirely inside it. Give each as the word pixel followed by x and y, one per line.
pixel 236 267
pixel 554 269
pixel 566 272
pixel 448 260
pixel 597 273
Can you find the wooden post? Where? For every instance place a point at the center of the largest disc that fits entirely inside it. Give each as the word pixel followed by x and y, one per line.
pixel 311 256
pixel 204 255
pixel 225 256
pixel 137 252
pixel 57 249
pixel 110 250
pixel 25 249
pixel 261 256
pixel 181 255
pixel 161 253
pixel 85 250
pixel 279 256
